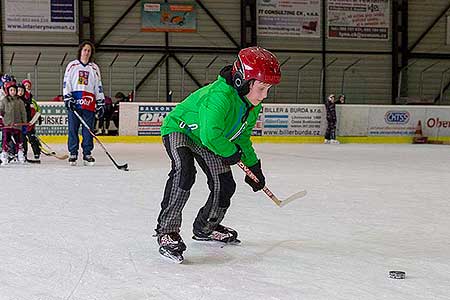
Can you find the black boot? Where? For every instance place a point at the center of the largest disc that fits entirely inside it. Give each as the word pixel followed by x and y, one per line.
pixel 171 246
pixel 88 160
pixel 73 159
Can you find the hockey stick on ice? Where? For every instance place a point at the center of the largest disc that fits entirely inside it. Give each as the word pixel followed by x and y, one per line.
pixel 123 167
pixel 268 192
pixel 48 151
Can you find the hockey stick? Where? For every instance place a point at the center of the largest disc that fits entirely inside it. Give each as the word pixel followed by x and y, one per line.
pixel 36 117
pixel 123 167
pixel 32 121
pixel 268 192
pixel 48 151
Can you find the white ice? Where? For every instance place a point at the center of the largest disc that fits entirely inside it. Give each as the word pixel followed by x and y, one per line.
pixel 86 232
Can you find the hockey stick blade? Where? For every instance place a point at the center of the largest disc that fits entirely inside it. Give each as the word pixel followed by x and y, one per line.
pixel 123 167
pixel 282 203
pixel 268 192
pixel 292 198
pixel 49 152
pixel 33 161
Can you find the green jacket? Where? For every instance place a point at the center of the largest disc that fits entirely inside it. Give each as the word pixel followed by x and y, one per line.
pixel 216 117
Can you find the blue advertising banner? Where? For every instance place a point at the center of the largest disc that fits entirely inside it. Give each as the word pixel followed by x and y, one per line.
pixel 150 119
pixel 42 15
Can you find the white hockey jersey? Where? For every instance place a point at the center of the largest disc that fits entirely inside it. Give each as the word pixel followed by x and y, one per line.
pixel 84 84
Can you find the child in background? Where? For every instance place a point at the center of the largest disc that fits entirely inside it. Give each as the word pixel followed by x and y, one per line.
pixel 341 99
pixel 4 78
pixel 12 111
pixel 119 97
pixel 330 134
pixel 31 107
pixel 28 85
pixel 105 121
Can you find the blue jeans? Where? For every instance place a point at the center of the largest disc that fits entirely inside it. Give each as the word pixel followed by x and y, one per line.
pixel 74 125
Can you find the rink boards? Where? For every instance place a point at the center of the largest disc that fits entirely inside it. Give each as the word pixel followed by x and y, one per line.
pixel 305 123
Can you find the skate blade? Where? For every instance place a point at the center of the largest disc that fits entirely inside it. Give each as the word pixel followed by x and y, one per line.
pixel 200 239
pixel 89 164
pixel 173 257
pixel 33 161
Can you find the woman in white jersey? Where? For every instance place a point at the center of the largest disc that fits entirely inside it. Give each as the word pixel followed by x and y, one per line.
pixel 83 92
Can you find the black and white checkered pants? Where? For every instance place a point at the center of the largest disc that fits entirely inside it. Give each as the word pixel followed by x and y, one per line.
pixel 183 152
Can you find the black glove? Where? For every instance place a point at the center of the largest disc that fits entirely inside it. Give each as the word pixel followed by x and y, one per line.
pixel 256 169
pixel 70 102
pixel 233 159
pixel 100 110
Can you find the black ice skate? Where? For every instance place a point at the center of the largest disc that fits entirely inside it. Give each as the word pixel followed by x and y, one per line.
pixel 171 246
pixel 220 234
pixel 73 159
pixel 88 160
pixel 32 161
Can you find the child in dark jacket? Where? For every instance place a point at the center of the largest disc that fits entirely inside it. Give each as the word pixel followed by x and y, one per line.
pixel 330 134
pixel 31 108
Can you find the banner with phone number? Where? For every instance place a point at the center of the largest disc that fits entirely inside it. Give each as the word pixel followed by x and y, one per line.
pixel 42 15
pixel 293 120
pixel 359 19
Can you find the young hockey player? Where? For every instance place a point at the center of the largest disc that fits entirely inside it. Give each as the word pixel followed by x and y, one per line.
pixel 4 79
pixel 213 127
pixel 12 112
pixel 330 134
pixel 28 85
pixel 83 92
pixel 31 107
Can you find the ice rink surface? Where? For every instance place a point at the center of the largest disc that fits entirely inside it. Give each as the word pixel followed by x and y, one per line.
pixel 86 232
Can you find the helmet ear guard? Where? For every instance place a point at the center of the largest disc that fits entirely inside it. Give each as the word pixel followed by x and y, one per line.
pixel 239 82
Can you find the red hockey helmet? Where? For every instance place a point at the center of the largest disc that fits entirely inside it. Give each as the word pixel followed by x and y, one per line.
pixel 8 85
pixel 255 63
pixel 25 81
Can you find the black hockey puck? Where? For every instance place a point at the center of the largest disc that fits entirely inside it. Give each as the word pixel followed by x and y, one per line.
pixel 397 274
